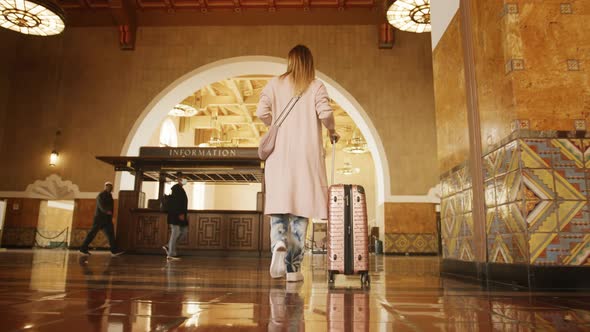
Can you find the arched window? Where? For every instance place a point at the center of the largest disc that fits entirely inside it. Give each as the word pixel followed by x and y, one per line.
pixel 168 134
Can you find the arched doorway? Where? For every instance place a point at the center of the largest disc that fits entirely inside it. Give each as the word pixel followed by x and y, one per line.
pixel 158 108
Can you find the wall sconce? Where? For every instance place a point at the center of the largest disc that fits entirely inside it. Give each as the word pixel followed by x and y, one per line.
pixel 54 157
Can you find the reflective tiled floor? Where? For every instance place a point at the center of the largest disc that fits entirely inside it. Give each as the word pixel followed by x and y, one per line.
pixel 53 290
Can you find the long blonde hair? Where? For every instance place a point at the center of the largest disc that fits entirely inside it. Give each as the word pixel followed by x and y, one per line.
pixel 300 68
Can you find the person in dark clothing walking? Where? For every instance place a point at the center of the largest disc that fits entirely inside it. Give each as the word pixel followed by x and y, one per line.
pixel 103 219
pixel 177 216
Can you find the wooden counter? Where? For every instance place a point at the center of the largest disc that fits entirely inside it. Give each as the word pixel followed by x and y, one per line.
pixel 208 231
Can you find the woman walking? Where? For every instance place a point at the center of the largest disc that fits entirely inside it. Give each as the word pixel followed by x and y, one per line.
pixel 295 172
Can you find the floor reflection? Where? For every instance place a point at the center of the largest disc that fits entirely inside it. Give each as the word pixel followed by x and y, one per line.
pixel 348 310
pixel 286 308
pixel 54 290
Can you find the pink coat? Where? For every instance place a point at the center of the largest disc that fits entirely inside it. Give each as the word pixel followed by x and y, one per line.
pixel 295 173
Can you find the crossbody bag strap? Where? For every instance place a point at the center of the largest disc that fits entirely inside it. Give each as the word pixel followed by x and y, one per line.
pixel 282 118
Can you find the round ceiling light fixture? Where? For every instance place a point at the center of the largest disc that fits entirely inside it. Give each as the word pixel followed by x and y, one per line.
pixel 348 169
pixel 410 15
pixel 181 110
pixel 37 18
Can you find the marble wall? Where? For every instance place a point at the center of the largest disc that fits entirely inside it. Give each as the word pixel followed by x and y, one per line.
pixel 494 87
pixel 530 60
pixel 450 99
pixel 547 48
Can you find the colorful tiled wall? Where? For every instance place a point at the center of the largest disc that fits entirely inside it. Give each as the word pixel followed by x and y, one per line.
pixel 456 215
pixel 536 195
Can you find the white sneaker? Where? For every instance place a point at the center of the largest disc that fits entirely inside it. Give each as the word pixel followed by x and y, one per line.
pixel 277 264
pixel 294 276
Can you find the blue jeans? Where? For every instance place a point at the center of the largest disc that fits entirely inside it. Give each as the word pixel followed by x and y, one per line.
pixel 291 230
pixel 176 232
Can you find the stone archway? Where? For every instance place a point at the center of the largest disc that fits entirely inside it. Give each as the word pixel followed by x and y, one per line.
pixel 158 108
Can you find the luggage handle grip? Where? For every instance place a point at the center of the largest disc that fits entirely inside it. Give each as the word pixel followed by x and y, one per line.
pixel 333 158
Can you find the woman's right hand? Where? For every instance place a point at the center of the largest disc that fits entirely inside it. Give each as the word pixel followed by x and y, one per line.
pixel 334 137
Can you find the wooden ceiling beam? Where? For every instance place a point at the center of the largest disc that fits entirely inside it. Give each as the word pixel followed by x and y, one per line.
pixel 249 88
pixel 210 90
pixel 235 89
pixel 123 12
pixel 386 36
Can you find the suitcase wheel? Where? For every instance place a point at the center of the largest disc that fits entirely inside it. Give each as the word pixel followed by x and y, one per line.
pixel 365 279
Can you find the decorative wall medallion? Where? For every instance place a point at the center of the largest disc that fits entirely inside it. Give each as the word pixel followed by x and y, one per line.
pixel 566 8
pixel 517 64
pixel 573 64
pixel 510 8
pixel 520 124
pixel 514 65
pixel 508 67
pixel 52 188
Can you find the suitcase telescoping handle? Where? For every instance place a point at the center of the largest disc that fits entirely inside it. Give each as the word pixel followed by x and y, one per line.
pixel 333 140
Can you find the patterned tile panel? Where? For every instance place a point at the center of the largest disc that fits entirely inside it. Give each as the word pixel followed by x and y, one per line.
pixel 466 249
pixel 536 153
pixel 570 184
pixel 490 193
pixel 586 149
pixel 542 217
pixel 464 176
pixel 411 243
pixel 539 183
pixel 79 234
pixel 570 153
pixel 509 188
pixel 576 248
pixel 513 218
pixel 492 222
pixel 509 248
pixel 537 194
pixel 511 158
pixel 467 200
pixel 574 216
pixel 445 187
pixel 18 237
pixel 467 224
pixel 491 163
pixel 544 248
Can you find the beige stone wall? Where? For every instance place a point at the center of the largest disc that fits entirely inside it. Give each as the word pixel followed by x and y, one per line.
pixel 81 82
pixel 9 41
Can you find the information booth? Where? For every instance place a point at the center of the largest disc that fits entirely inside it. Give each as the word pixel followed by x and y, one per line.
pixel 142 227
